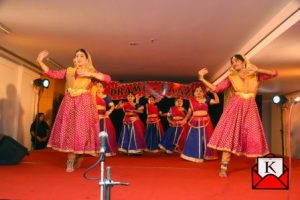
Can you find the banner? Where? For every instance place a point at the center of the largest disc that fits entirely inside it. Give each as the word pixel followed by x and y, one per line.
pixel 158 89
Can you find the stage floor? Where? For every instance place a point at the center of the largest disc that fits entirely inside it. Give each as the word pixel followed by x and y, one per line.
pixel 41 175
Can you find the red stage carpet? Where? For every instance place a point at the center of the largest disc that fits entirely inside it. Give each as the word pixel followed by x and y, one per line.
pixel 42 175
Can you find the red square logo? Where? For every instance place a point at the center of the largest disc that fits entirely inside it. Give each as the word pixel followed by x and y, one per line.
pixel 270 172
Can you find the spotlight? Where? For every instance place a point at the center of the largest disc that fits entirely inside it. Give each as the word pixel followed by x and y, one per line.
pixel 279 99
pixel 44 83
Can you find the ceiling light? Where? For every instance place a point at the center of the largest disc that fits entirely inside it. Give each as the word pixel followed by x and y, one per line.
pixel 133 43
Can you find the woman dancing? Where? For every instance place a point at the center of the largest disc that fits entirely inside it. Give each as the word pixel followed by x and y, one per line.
pixel 102 102
pixel 132 138
pixel 76 127
pixel 154 130
pixel 200 128
pixel 239 130
pixel 175 115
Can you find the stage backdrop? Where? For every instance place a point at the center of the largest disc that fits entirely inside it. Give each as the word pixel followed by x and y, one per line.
pixel 158 89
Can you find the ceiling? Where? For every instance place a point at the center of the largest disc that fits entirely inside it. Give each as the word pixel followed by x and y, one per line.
pixel 166 40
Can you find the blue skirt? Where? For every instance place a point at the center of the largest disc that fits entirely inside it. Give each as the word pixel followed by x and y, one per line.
pixel 170 139
pixel 130 141
pixel 195 145
pixel 153 137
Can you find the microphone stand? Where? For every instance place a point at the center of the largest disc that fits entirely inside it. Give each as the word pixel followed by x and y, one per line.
pixel 106 183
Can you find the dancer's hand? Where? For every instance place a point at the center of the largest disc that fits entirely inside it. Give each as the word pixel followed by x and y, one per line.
pixel 107 113
pixel 182 122
pixel 138 96
pixel 160 113
pixel 202 72
pixel 42 55
pixel 119 105
pixel 83 73
pixel 252 69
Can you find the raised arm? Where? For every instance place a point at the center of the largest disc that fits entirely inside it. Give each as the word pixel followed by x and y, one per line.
pixel 102 77
pixel 215 100
pixel 111 108
pixel 263 74
pixel 97 75
pixel 202 72
pixel 223 84
pixel 140 109
pixel 57 74
pixel 254 68
pixel 40 60
pixel 120 105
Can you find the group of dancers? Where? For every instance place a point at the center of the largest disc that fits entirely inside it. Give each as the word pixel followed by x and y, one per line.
pixel 85 111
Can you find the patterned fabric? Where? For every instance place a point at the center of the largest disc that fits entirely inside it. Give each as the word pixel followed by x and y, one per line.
pixel 76 126
pixel 240 129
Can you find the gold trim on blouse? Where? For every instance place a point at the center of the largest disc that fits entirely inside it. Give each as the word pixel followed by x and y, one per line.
pixel 152 115
pixel 245 95
pixel 200 113
pixel 76 92
pixel 177 118
pixel 100 107
pixel 130 113
pixel 103 116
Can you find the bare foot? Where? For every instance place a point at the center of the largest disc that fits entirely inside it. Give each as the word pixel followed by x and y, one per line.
pixel 223 173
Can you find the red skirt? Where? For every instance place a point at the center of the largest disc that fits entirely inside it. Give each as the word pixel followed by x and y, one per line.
pixel 240 129
pixel 76 126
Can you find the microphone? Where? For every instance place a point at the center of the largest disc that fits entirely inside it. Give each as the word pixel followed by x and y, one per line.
pixel 103 136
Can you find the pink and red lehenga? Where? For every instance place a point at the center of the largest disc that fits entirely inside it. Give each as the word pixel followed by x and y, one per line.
pixel 240 130
pixel 76 126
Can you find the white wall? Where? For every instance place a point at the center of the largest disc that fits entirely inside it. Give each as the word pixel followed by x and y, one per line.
pixel 17 100
pixel 295 131
pixel 278 121
pixel 271 118
pixel 276 130
pixel 294 124
pixel 266 121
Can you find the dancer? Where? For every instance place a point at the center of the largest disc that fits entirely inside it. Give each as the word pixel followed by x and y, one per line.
pixel 154 130
pixel 175 115
pixel 132 139
pixel 102 102
pixel 200 128
pixel 76 126
pixel 239 130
